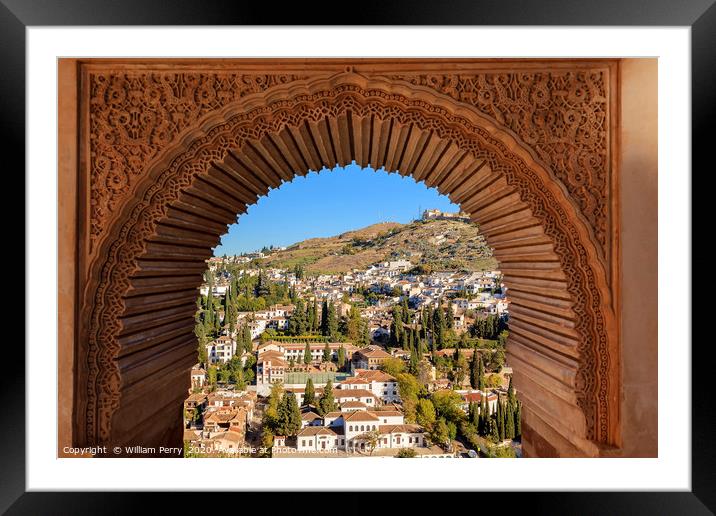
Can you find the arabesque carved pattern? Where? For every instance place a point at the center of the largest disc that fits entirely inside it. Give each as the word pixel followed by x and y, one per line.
pixel 130 241
pixel 134 115
pixel 562 115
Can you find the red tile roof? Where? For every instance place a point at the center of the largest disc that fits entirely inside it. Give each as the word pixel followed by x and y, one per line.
pixel 359 415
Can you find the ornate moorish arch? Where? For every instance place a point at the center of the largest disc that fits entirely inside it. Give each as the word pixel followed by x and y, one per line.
pixel 153 225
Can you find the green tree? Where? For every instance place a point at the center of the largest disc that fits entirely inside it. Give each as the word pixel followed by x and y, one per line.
pixel 326 353
pixel 393 366
pixel 271 418
pixel 480 374
pixel 439 327
pixel 452 430
pixel 289 415
pixel 365 339
pixel 332 323
pixel 313 316
pixel 372 438
pixel 354 325
pixel 212 373
pixel 425 413
pixel 298 271
pixel 408 388
pixel 447 404
pixel 307 354
pixel 262 288
pixel 450 317
pixel 461 367
pixel 247 339
pixel 237 374
pixel 500 420
pixel 309 395
pixel 201 344
pixel 493 432
pixel 327 402
pixel 297 324
pixel 474 370
pixel 509 417
pixel 341 357
pixel 413 363
pixel 324 319
pixel 396 328
pixel 266 437
pixel 224 375
pixel 439 433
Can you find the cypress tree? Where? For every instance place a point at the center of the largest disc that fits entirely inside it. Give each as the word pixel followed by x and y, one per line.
pixel 424 323
pixel 341 356
pixel 239 377
pixel 313 317
pixel 439 326
pixel 365 338
pixel 309 396
pixel 500 420
pixel 449 317
pixel 494 434
pixel 480 374
pixel 332 323
pixel 482 426
pixel 326 353
pixel 509 422
pixel 404 340
pixel 327 403
pixel 413 367
pixel 324 319
pixel 247 339
pixel 474 370
pixel 307 354
pixel 405 311
pixel 297 322
pixel 209 318
pixel 396 328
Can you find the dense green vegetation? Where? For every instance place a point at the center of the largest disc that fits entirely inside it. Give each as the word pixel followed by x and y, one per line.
pixel 440 412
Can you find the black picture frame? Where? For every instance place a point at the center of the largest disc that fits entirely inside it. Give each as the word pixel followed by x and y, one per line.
pixel 700 15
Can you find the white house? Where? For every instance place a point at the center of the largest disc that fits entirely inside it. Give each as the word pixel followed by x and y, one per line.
pixel 221 350
pixel 319 439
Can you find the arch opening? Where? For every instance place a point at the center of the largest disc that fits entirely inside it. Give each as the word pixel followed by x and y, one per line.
pixel 143 290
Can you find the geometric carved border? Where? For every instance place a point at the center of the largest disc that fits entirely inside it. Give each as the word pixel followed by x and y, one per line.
pixel 563 115
pixel 296 102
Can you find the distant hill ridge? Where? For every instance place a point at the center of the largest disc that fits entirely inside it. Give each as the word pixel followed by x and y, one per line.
pixel 429 244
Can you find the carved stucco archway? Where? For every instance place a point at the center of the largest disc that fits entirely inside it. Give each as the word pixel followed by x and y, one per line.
pixel 169 172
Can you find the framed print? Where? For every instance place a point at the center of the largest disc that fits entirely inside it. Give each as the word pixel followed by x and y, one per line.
pixel 287 251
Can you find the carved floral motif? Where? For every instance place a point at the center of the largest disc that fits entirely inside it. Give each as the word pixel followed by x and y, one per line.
pixel 130 241
pixel 562 115
pixel 134 115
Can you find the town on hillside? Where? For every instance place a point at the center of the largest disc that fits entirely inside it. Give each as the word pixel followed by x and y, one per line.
pixel 398 359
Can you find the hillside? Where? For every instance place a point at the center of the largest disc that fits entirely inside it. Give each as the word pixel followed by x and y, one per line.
pixel 434 245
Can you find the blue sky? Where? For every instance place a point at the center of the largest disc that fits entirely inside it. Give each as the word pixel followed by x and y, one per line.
pixel 329 203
